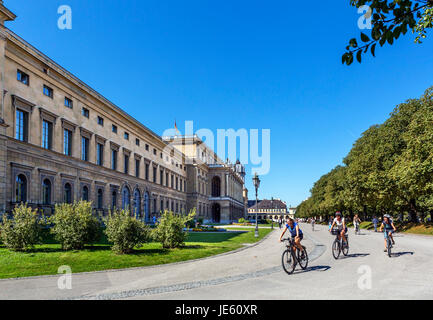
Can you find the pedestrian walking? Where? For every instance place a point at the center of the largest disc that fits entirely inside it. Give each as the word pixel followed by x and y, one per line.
pixel 375 222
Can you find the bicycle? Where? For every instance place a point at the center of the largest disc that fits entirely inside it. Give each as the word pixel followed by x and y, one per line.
pixel 292 256
pixel 338 245
pixel 388 244
pixel 357 229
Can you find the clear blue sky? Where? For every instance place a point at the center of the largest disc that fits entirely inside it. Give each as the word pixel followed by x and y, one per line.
pixel 236 64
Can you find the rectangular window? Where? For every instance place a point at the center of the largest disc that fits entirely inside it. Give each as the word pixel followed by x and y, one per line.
pixel 84 149
pixel 147 147
pixel 22 125
pixel 47 134
pixel 113 159
pixel 114 128
pixel 100 121
pixel 126 136
pixel 68 103
pixel 137 142
pixel 154 152
pixel 85 112
pixel 48 92
pixel 161 177
pixel 23 77
pixel 67 142
pixel 99 154
pixel 137 168
pixel 126 164
pixel 172 181
pixel 154 174
pixel 146 172
pixel 177 183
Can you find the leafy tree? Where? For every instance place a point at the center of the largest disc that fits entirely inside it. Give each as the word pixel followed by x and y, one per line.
pixel 126 232
pixel 22 230
pixel 390 19
pixel 170 229
pixel 388 170
pixel 74 225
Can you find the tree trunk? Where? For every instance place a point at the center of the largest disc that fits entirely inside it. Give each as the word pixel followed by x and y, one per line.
pixel 413 217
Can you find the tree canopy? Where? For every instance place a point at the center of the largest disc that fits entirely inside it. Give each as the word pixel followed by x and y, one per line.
pixel 389 20
pixel 388 170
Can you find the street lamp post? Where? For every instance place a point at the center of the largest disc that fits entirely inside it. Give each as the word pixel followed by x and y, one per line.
pixel 256 182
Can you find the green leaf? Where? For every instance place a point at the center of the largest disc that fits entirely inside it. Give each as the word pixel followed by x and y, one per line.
pixel 373 50
pixel 358 56
pixel 364 37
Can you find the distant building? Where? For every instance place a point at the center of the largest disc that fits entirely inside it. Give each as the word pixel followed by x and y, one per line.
pixel 269 209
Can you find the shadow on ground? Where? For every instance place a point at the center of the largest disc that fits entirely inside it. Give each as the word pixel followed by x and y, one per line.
pixel 313 268
pixel 356 255
pixel 398 254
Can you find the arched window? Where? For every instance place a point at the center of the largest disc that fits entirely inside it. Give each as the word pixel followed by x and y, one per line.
pixel 46 192
pixel 137 203
pixel 216 187
pixel 114 199
pixel 21 188
pixel 67 193
pixel 100 199
pixel 126 198
pixel 85 193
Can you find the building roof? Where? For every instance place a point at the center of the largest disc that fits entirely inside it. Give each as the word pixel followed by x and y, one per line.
pixel 267 204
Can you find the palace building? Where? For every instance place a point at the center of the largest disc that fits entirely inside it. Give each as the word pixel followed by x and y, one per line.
pixel 61 141
pixel 269 209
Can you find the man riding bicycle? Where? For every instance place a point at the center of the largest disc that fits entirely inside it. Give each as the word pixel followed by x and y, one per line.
pixel 340 225
pixel 389 228
pixel 294 231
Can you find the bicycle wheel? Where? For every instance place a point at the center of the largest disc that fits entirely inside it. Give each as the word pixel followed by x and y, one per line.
pixel 389 247
pixel 336 249
pixel 288 261
pixel 345 248
pixel 303 258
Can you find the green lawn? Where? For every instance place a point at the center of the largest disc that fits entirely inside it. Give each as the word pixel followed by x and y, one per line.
pixel 45 259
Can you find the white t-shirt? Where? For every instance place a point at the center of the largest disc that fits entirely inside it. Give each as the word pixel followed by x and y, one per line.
pixel 339 224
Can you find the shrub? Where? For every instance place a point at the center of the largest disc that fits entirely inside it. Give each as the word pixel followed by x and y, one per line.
pixel 126 232
pixel 242 220
pixel 23 230
pixel 74 225
pixel 170 230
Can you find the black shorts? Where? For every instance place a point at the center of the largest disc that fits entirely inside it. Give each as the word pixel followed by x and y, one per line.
pixel 301 236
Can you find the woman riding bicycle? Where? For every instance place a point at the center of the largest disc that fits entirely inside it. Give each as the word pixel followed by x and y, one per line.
pixel 295 232
pixel 340 225
pixel 389 227
pixel 356 222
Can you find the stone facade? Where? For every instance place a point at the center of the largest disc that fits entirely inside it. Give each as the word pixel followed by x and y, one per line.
pixel 61 141
pixel 216 188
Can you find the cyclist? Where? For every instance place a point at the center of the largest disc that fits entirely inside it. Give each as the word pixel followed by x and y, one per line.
pixel 356 223
pixel 340 224
pixel 331 219
pixel 295 232
pixel 389 227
